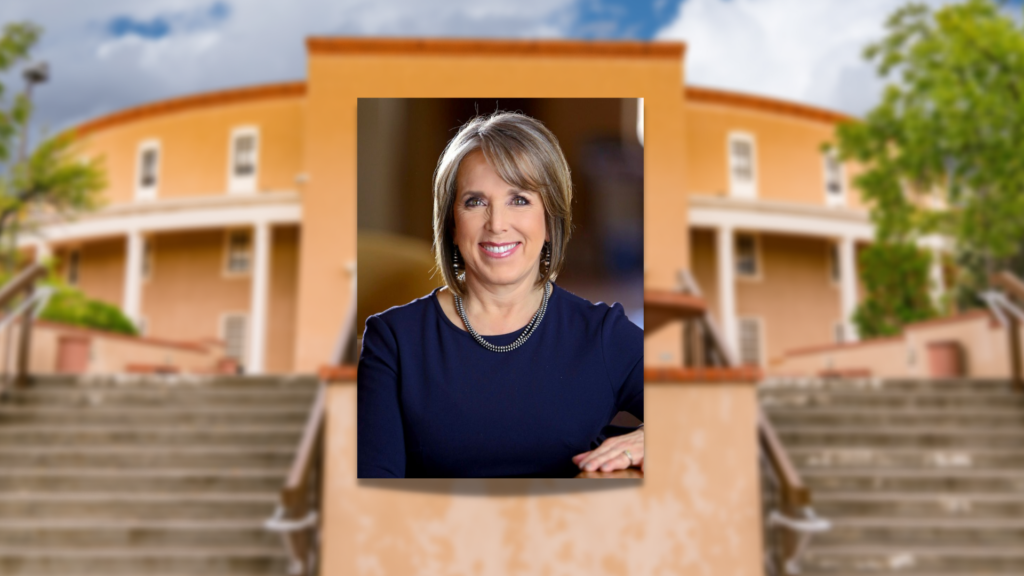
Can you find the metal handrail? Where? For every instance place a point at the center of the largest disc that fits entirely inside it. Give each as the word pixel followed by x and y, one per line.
pixel 22 285
pixel 297 516
pixel 789 519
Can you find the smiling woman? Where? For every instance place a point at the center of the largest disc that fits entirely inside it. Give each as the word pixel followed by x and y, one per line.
pixel 499 373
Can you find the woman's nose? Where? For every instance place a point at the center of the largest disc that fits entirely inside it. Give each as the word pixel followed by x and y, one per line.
pixel 496 219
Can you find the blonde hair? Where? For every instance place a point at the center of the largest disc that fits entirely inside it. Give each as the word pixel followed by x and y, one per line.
pixel 526 155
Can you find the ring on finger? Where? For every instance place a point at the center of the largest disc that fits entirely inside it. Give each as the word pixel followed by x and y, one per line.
pixel 630 456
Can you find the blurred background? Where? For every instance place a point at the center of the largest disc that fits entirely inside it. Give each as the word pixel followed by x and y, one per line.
pixel 399 143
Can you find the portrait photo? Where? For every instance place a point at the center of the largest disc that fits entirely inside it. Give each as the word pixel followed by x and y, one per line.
pixel 500 288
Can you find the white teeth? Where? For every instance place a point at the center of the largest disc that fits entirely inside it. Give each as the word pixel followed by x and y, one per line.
pixel 500 249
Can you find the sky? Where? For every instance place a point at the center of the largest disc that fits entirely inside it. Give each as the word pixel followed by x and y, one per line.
pixel 106 55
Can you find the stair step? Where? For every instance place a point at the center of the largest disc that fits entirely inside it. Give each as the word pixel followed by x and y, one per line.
pixel 180 505
pixel 92 532
pixel 915 479
pixel 916 560
pixel 136 560
pixel 133 480
pixel 911 531
pixel 174 381
pixel 1011 418
pixel 195 435
pixel 875 458
pixel 796 435
pixel 149 456
pixel 102 414
pixel 891 399
pixel 837 505
pixel 916 385
pixel 164 397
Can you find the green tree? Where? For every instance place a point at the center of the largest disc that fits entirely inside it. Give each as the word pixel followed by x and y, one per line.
pixel 943 152
pixel 49 179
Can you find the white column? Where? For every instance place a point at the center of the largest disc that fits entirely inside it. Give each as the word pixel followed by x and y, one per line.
pixel 848 286
pixel 727 289
pixel 132 300
pixel 260 286
pixel 43 251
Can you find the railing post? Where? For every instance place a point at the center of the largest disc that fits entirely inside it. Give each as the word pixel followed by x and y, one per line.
pixel 21 377
pixel 1013 330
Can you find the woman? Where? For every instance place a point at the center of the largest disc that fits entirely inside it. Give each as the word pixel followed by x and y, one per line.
pixel 500 373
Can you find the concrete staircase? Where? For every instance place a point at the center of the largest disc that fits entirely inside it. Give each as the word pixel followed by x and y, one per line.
pixel 162 476
pixel 918 477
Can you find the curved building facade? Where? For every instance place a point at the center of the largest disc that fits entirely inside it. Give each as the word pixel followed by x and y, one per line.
pixel 232 214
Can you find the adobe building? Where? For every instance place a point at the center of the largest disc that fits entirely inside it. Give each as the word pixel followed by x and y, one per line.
pixel 231 215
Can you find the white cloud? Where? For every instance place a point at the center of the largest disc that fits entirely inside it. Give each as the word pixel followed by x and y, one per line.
pixel 808 52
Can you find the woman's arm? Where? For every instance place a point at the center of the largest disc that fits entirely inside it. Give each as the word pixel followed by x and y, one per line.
pixel 380 434
pixel 624 358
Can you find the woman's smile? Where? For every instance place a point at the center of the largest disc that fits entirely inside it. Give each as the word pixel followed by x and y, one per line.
pixel 496 250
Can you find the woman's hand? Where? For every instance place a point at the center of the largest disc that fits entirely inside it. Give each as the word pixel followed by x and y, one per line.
pixel 611 455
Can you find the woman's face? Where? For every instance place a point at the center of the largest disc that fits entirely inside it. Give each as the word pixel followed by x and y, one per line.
pixel 499 229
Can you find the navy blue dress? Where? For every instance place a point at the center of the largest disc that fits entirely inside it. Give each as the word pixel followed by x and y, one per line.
pixel 433 403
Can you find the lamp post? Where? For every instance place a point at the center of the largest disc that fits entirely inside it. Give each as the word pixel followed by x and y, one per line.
pixel 34 74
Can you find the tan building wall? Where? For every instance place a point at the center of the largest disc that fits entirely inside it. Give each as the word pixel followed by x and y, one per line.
pixel 114 353
pixel 284 280
pixel 795 297
pixel 984 342
pixel 188 290
pixel 344 69
pixel 788 138
pixel 194 135
pixel 696 511
pixel 100 268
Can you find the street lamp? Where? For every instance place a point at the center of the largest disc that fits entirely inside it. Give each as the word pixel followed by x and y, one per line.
pixel 34 74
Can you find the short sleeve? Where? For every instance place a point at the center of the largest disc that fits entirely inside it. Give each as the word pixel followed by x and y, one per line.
pixel 623 344
pixel 379 430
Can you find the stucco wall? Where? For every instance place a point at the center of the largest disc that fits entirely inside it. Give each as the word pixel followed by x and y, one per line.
pixel 342 70
pixel 187 291
pixel 789 164
pixel 984 341
pixel 195 143
pixel 795 297
pixel 696 512
pixel 112 353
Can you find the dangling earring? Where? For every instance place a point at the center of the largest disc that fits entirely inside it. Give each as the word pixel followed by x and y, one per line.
pixel 457 264
pixel 547 257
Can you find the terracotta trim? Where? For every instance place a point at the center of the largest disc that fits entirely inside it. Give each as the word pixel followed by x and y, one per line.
pixel 338 374
pixel 762 103
pixel 685 304
pixel 192 102
pixel 378 46
pixel 843 346
pixel 79 330
pixel 962 317
pixel 680 375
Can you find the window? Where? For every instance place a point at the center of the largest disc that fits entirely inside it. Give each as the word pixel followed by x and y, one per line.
pixel 147 258
pixel 742 165
pixel 148 171
pixel 835 191
pixel 238 252
pixel 233 332
pixel 244 160
pixel 748 263
pixel 73 260
pixel 750 341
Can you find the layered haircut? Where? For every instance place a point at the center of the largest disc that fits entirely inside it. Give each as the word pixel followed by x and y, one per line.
pixel 526 155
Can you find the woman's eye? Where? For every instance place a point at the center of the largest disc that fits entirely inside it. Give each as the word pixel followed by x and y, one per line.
pixel 520 201
pixel 474 202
